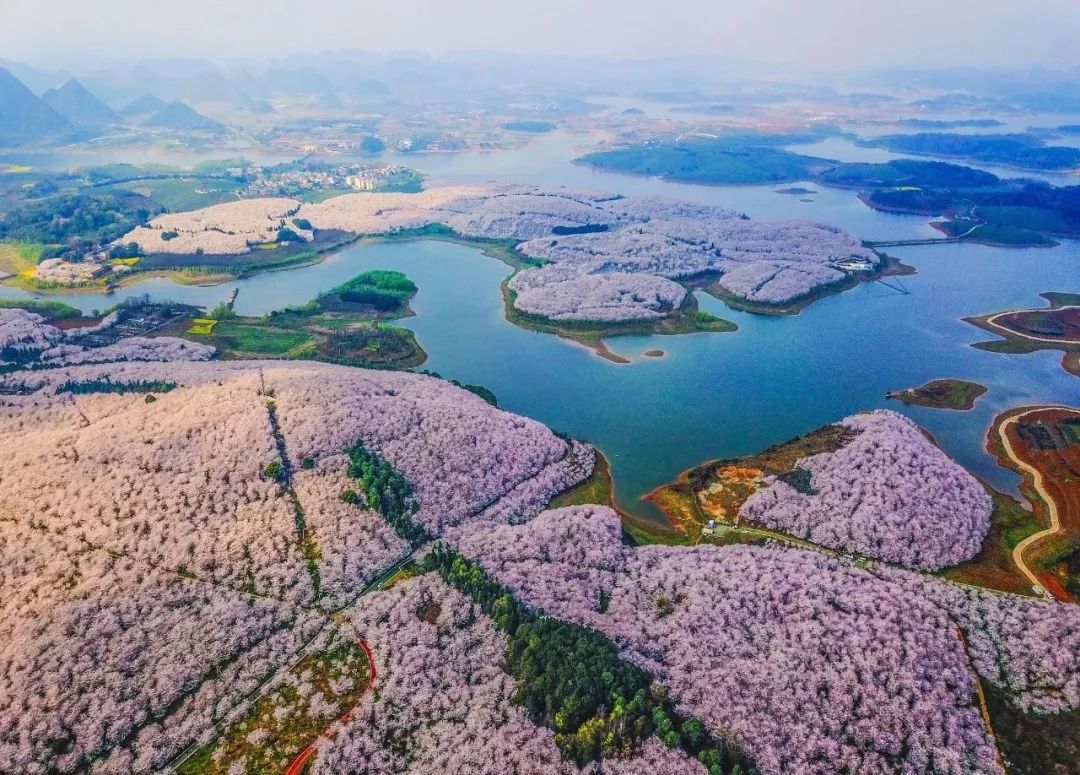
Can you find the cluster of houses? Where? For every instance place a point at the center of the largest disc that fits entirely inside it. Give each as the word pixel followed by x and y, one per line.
pixel 347 176
pixel 854 264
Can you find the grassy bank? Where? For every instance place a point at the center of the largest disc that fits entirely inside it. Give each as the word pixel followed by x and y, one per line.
pixel 19 257
pixel 955 394
pixel 1015 341
pixel 50 310
pixel 597 489
pixel 347 325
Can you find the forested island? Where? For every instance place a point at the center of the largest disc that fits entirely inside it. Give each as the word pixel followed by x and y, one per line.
pixel 1022 150
pixel 978 206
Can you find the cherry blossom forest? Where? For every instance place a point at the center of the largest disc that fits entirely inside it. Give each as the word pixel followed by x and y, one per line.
pixel 599 257
pixel 183 537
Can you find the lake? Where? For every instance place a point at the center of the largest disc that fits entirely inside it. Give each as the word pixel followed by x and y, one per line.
pixel 712 395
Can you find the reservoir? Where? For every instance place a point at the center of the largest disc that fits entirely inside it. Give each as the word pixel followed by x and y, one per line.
pixel 711 395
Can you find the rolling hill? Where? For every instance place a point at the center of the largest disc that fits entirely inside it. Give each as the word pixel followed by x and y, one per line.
pixel 74 102
pixel 181 116
pixel 146 105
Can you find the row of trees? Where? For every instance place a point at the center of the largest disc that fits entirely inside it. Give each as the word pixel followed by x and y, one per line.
pixel 572 679
pixel 107 385
pixel 443 702
pixel 812 665
pixel 386 491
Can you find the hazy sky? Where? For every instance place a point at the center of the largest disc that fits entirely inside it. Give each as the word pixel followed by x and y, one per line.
pixel 820 33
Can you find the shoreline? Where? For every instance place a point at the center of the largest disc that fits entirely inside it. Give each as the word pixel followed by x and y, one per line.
pixel 957 395
pixel 890 267
pixel 599 489
pixel 1044 507
pixel 1013 342
pixel 590 334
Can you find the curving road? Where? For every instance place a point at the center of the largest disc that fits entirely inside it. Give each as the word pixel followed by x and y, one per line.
pixel 1037 482
pixel 302 758
pixel 1003 330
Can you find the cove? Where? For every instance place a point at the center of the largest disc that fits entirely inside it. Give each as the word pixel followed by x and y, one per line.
pixel 712 395
pixel 726 395
pixel 718 395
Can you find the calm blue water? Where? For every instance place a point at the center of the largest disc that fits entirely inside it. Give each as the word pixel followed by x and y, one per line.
pixel 721 395
pixel 713 395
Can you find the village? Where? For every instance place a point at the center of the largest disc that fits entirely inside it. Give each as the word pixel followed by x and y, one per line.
pixel 314 177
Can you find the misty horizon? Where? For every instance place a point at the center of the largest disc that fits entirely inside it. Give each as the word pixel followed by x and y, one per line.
pixel 835 35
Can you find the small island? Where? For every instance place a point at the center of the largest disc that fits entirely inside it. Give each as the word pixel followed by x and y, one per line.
pixel 1055 327
pixel 654 353
pixel 685 319
pixel 955 394
pixel 533 127
pixel 1071 363
pixel 795 191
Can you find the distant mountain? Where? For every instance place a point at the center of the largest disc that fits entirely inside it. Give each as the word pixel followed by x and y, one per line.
pixel 181 116
pixel 35 79
pixel 75 103
pixel 171 79
pixel 25 118
pixel 146 105
pixel 282 80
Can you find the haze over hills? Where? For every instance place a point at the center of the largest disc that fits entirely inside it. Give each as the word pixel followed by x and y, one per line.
pixel 181 116
pixel 146 105
pixel 72 112
pixel 25 118
pixel 35 78
pixel 294 298
pixel 78 105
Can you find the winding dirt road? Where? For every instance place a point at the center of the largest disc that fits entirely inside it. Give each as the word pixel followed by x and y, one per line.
pixel 302 758
pixel 1037 483
pixel 991 322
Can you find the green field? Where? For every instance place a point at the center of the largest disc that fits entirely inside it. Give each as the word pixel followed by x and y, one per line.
pixel 715 162
pixel 252 340
pixel 345 325
pixel 17 257
pixel 180 194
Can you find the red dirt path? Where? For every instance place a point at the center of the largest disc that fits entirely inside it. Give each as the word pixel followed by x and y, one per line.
pixel 302 758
